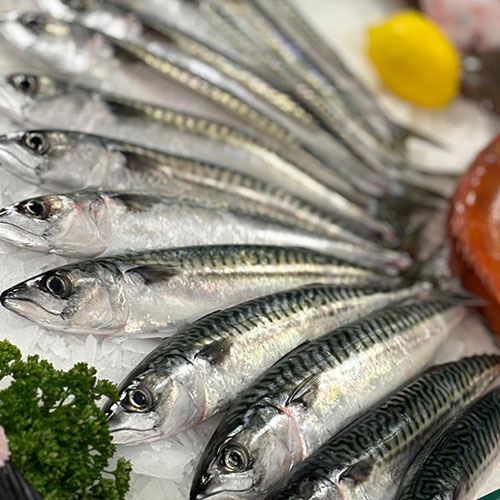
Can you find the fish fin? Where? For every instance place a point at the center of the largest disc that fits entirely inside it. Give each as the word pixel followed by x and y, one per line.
pixel 155 273
pixel 403 133
pixel 122 108
pixel 357 473
pixel 305 392
pixel 122 53
pixel 135 202
pixel 215 352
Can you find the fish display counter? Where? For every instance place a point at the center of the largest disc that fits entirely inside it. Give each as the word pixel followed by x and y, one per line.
pixel 249 251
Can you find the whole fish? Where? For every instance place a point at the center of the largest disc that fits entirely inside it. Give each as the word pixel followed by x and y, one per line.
pixel 297 29
pixel 315 89
pixel 368 458
pixel 42 157
pixel 46 39
pixel 164 40
pixel 303 400
pixel 45 101
pixel 457 462
pixel 200 370
pixel 162 291
pixel 90 224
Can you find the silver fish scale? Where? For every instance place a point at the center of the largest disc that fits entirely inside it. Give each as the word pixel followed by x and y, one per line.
pixel 404 421
pixel 236 320
pixel 204 87
pixel 453 463
pixel 279 383
pixel 263 260
pixel 233 182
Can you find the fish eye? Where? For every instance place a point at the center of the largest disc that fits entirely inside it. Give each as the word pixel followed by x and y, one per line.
pixel 30 22
pixel 234 459
pixel 24 83
pixel 35 141
pixel 140 399
pixel 58 285
pixel 36 208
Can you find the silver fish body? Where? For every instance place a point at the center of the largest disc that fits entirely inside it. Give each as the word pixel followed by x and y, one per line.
pixel 368 458
pixel 91 224
pixel 179 47
pixel 157 293
pixel 294 26
pixel 42 156
pixel 73 49
pixel 303 400
pixel 43 101
pixel 457 461
pixel 325 99
pixel 200 370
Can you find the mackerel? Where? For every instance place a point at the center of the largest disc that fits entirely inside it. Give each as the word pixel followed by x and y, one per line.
pixel 315 88
pixel 42 37
pixel 44 101
pixel 164 290
pixel 368 458
pixel 199 371
pixel 303 400
pixel 42 157
pixel 457 462
pixel 297 29
pixel 159 38
pixel 95 223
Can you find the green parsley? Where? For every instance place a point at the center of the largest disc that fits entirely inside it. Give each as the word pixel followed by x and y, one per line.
pixel 58 437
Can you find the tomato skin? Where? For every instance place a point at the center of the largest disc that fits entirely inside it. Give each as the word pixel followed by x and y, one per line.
pixel 474 230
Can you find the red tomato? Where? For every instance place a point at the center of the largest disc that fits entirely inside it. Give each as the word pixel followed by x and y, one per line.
pixel 474 230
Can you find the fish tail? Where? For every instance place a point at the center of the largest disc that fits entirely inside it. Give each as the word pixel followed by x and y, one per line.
pixel 403 133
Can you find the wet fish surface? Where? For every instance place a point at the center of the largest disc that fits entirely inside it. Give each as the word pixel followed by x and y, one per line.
pixel 42 156
pixel 42 101
pixel 197 372
pixel 300 402
pixel 162 291
pixel 95 55
pixel 460 458
pixel 368 458
pixel 176 45
pixel 112 222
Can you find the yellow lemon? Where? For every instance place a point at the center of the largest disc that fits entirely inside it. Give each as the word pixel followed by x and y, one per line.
pixel 415 60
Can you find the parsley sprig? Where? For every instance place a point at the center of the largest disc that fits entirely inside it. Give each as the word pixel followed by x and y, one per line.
pixel 58 436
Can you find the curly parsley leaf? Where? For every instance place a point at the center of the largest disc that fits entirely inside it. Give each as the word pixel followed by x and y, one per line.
pixel 58 436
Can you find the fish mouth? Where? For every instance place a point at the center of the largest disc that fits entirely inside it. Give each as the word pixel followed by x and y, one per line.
pixel 16 166
pixel 14 107
pixel 24 306
pixel 16 235
pixel 131 435
pixel 196 495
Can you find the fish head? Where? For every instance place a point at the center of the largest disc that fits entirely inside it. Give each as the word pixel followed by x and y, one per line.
pixel 83 298
pixel 72 224
pixel 56 159
pixel 100 15
pixel 157 401
pixel 245 457
pixel 22 93
pixel 66 47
